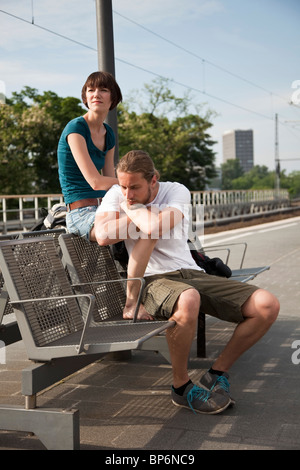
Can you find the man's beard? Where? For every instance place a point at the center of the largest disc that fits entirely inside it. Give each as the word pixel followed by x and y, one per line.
pixel 149 196
pixel 145 201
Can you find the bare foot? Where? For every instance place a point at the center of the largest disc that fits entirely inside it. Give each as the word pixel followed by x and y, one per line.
pixel 128 313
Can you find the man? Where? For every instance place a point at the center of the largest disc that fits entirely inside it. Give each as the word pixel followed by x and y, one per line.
pixel 152 218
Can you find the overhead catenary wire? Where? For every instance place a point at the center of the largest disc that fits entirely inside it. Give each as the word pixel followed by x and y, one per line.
pixel 204 61
pixel 32 23
pixel 188 87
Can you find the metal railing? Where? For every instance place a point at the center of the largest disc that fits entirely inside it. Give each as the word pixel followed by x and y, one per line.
pixel 211 198
pixel 231 204
pixel 22 211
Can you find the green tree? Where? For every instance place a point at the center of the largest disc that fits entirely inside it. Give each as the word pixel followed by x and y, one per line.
pixel 16 172
pixel 259 177
pixel 30 127
pixel 291 182
pixel 230 171
pixel 177 140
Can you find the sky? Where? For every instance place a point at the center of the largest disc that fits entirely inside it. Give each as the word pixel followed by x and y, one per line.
pixel 239 59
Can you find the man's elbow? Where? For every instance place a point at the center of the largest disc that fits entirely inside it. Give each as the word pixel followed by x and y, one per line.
pixel 155 230
pixel 103 241
pixel 101 236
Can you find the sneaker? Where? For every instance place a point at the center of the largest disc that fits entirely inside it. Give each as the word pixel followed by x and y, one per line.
pixel 217 383
pixel 200 400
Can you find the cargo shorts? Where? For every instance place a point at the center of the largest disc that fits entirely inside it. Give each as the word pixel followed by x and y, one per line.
pixel 220 297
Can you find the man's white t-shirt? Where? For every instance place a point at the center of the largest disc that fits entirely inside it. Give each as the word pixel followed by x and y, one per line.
pixel 171 252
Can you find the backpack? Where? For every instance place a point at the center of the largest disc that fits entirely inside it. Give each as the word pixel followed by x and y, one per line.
pixel 54 218
pixel 214 266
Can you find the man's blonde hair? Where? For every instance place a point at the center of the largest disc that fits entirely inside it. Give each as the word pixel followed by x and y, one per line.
pixel 138 161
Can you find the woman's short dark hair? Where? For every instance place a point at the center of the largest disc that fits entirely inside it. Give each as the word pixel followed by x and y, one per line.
pixel 102 80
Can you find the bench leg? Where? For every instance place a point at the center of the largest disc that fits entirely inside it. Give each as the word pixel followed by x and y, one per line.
pixel 56 429
pixel 201 337
pixel 158 344
pixel 10 333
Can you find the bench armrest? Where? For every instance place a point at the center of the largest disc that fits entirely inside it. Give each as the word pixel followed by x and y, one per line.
pixel 225 247
pixel 91 298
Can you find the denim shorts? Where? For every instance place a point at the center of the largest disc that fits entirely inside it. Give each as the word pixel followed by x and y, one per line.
pixel 81 221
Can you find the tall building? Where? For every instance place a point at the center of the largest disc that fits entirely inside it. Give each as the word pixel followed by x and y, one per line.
pixel 239 144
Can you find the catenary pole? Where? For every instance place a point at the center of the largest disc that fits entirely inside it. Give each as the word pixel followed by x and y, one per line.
pixel 106 54
pixel 277 162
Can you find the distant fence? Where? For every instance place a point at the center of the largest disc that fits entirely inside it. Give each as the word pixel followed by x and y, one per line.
pixel 229 204
pixel 21 212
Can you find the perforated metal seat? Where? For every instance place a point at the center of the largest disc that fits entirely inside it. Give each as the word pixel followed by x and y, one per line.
pixel 51 321
pixel 90 266
pixel 5 307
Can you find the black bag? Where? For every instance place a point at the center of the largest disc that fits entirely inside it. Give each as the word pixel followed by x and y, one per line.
pixel 120 254
pixel 54 218
pixel 214 266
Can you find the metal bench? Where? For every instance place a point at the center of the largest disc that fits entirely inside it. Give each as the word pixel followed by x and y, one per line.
pixel 51 323
pixel 88 264
pixel 9 331
pixel 59 332
pixel 240 272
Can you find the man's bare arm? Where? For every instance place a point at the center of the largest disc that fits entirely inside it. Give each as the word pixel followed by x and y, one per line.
pixel 152 221
pixel 111 227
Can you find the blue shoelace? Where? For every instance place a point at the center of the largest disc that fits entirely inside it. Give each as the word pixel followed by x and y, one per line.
pixel 223 382
pixel 197 393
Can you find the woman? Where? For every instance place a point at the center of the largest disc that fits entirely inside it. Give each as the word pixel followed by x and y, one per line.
pixel 86 147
